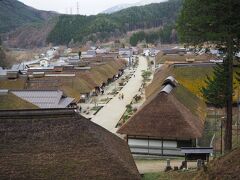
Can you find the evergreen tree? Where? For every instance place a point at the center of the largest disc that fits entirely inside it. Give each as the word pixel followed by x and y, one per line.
pixel 216 90
pixel 216 22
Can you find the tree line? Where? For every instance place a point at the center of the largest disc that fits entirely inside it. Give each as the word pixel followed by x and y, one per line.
pixel 80 28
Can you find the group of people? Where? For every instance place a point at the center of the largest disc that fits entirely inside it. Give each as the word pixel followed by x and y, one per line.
pixel 121 96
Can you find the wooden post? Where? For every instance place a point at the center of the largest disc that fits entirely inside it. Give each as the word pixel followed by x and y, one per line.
pixel 148 145
pixel 221 138
pixel 162 147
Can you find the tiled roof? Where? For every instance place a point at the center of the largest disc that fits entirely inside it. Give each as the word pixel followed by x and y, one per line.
pixel 44 99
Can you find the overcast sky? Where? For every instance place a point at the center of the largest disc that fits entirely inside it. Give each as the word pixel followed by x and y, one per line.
pixel 86 7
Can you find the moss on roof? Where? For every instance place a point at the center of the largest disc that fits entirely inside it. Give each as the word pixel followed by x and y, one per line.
pixel 188 91
pixel 11 102
pixel 12 84
pixel 192 102
pixel 161 58
pixel 193 78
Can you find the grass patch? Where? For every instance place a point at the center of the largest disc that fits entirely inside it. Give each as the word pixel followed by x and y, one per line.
pixel 170 175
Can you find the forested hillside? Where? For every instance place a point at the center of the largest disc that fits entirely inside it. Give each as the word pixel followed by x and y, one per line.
pixel 166 34
pixel 101 27
pixel 14 14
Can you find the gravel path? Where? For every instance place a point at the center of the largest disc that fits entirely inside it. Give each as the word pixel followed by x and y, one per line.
pixel 110 114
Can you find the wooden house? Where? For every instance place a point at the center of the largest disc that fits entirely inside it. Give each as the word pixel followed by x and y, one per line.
pixel 166 122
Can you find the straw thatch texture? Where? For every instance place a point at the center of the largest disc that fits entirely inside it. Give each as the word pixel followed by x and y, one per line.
pixel 82 83
pixel 164 116
pixel 60 144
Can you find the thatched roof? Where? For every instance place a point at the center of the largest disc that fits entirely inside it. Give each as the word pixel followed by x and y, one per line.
pixel 10 101
pixel 164 116
pixel 12 84
pixel 158 80
pixel 83 82
pixel 60 144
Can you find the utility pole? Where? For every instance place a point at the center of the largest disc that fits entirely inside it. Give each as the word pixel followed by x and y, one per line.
pixel 238 104
pixel 221 137
pixel 77 7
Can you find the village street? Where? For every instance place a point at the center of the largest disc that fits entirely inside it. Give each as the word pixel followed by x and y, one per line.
pixel 159 165
pixel 111 113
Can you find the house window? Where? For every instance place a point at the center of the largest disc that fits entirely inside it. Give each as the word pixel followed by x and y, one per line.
pixel 184 143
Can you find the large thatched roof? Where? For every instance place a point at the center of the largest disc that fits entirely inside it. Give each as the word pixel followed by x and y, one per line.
pixel 60 144
pixel 164 115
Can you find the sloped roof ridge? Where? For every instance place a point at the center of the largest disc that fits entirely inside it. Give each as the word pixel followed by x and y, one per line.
pixel 175 101
pixel 36 112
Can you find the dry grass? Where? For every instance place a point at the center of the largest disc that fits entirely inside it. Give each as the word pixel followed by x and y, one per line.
pixel 170 175
pixel 225 167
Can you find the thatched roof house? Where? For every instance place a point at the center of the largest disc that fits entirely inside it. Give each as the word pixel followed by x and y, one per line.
pixel 60 144
pixel 82 82
pixel 169 119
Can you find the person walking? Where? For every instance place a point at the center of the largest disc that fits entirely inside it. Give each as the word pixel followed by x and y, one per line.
pixel 122 96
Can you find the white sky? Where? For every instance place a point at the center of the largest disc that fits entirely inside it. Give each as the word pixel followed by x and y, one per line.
pixel 86 7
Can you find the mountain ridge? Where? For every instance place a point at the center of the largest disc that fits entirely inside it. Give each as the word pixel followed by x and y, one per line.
pixel 14 14
pixel 101 27
pixel 62 29
pixel 120 7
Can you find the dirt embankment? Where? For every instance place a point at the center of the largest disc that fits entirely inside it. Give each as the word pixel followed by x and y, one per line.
pixel 225 167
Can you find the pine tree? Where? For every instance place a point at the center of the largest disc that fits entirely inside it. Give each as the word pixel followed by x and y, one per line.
pixel 215 90
pixel 215 22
